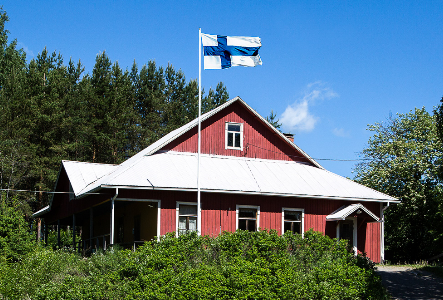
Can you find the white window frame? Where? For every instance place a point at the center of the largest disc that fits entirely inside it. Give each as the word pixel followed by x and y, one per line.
pixel 354 232
pixel 226 136
pixel 177 214
pixel 237 210
pixel 302 210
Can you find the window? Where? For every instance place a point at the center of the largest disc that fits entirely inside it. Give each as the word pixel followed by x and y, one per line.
pixel 292 219
pixel 248 217
pixel 187 217
pixel 234 136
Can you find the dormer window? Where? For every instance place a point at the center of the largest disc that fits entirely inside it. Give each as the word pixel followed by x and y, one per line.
pixel 234 136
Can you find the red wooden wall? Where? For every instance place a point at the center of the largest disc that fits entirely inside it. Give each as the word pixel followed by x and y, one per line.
pixel 259 140
pixel 220 208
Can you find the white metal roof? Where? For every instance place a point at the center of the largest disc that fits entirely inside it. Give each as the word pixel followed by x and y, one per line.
pixel 178 171
pixel 82 174
pixel 343 212
pixel 42 211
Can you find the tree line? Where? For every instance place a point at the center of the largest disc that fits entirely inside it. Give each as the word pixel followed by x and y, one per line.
pixel 404 159
pixel 52 111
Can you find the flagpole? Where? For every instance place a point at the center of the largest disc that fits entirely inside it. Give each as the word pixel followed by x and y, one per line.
pixel 199 129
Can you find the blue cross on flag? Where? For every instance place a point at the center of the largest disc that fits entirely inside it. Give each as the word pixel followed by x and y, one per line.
pixel 222 52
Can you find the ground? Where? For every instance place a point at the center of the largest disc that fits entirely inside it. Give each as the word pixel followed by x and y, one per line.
pixel 406 282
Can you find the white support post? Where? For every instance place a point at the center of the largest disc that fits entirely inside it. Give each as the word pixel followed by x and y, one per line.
pixel 382 233
pixel 111 237
pixel 73 231
pixel 199 132
pixel 91 225
pixel 58 234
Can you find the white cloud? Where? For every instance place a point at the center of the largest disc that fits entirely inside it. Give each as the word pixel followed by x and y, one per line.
pixel 340 132
pixel 297 116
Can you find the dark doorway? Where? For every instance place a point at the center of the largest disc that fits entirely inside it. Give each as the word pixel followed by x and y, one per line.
pixel 347 231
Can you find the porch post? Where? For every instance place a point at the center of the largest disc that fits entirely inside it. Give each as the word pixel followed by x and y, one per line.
pixel 73 231
pixel 111 238
pixel 91 225
pixel 46 233
pixel 382 234
pixel 58 233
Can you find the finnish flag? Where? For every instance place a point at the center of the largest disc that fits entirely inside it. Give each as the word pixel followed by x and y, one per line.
pixel 222 52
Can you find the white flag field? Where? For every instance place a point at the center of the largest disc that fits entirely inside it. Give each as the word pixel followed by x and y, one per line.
pixel 222 52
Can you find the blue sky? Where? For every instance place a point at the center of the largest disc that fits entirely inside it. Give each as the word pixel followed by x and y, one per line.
pixel 329 69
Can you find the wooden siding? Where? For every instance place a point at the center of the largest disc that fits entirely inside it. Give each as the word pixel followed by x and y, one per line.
pixel 259 140
pixel 219 214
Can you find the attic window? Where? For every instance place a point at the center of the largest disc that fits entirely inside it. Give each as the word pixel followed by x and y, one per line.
pixel 234 136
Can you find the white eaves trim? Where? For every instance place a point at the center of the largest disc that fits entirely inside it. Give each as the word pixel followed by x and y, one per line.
pixel 343 212
pixel 42 211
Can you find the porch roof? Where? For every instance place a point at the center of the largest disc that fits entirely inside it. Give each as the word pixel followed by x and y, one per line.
pixel 345 211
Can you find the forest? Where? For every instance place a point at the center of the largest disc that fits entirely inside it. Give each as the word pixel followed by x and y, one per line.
pixel 52 111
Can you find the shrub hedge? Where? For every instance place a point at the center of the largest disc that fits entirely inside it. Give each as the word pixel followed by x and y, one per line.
pixel 240 265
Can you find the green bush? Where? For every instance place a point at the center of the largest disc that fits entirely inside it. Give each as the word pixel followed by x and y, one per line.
pixel 240 265
pixel 65 238
pixel 15 238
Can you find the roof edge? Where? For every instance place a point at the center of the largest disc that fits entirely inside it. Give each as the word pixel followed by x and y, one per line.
pixel 245 193
pixel 41 212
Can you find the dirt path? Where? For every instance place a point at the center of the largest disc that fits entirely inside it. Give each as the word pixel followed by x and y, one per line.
pixel 408 283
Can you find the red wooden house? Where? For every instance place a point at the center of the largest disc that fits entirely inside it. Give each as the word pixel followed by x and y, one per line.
pixel 251 176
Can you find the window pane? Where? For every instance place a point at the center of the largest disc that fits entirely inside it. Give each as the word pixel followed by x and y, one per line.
pixel 292 215
pixel 296 227
pixel 287 227
pixel 251 225
pixel 192 224
pixel 234 127
pixel 182 223
pixel 247 213
pixel 230 139
pixel 237 140
pixel 188 210
pixel 242 224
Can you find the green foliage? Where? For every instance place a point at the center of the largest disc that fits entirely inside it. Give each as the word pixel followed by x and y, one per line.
pixel 272 118
pixel 438 113
pixel 15 239
pixel 402 160
pixel 65 238
pixel 240 265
